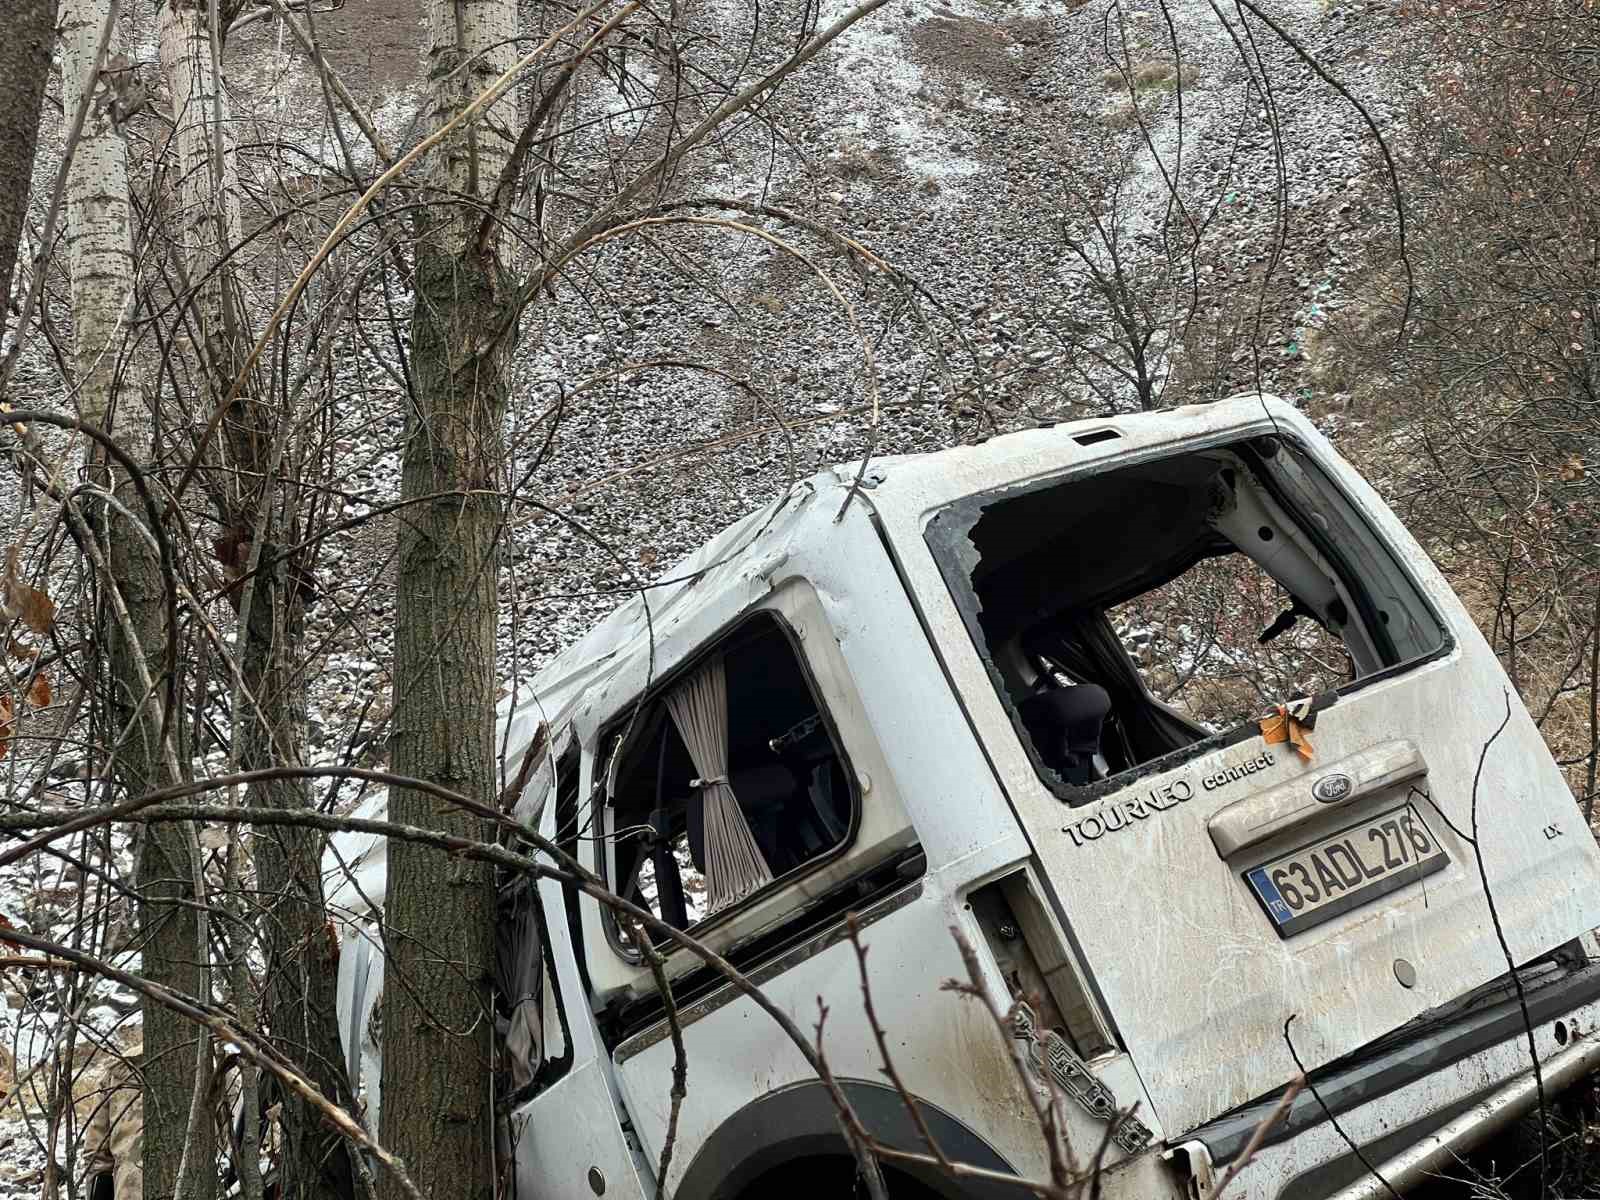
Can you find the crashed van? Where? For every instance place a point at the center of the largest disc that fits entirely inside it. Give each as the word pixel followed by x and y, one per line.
pixel 1166 716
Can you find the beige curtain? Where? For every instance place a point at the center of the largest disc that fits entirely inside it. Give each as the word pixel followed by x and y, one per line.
pixel 520 960
pixel 734 864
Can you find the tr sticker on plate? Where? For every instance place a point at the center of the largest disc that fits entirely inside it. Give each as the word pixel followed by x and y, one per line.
pixel 1355 866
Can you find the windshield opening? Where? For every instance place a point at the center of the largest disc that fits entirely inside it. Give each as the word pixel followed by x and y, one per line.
pixel 1134 613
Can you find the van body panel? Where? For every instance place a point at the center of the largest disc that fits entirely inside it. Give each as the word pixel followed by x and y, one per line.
pixel 833 586
pixel 572 1134
pixel 947 1048
pixel 873 665
pixel 573 1131
pixel 1198 1005
pixel 1316 1163
pixel 1199 983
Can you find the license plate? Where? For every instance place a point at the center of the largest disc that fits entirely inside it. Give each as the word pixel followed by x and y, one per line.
pixel 1355 866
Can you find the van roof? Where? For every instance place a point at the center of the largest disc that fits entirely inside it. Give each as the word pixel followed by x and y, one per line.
pixel 713 574
pixel 715 580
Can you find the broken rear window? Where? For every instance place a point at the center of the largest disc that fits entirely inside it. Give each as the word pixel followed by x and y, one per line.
pixel 1133 613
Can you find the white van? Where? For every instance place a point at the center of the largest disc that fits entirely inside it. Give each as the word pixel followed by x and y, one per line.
pixel 1167 713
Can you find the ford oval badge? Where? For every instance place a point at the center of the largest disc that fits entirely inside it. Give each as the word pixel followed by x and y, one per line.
pixel 1331 789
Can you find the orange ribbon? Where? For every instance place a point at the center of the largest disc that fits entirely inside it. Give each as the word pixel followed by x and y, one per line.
pixel 1282 726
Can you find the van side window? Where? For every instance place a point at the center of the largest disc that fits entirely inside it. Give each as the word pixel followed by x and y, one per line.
pixel 520 982
pixel 726 781
pixel 530 1018
pixel 1129 614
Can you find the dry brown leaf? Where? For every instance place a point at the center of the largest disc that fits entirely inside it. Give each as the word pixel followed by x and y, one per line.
pixel 20 652
pixel 39 691
pixel 7 714
pixel 37 610
pixel 5 923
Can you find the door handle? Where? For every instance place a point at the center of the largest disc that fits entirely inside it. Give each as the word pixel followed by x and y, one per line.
pixel 1254 819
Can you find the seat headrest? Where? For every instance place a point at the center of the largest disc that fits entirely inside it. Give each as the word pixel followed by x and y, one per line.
pixel 1075 711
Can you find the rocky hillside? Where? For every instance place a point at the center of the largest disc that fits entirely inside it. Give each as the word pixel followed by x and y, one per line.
pixel 967 144
pixel 997 155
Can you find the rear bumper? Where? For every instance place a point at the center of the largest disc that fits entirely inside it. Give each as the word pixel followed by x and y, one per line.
pixel 1439 1150
pixel 1418 1097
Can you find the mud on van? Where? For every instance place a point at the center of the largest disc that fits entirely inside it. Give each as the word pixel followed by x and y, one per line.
pixel 1167 713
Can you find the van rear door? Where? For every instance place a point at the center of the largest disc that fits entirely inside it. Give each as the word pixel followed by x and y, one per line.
pixel 1240 894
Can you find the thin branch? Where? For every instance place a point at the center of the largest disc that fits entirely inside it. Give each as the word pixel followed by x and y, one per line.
pixel 217 1022
pixel 1280 1110
pixel 680 1060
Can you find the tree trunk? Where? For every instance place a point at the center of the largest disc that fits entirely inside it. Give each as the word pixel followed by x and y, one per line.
pixel 207 218
pixel 176 1135
pixel 270 711
pixel 437 1020
pixel 99 221
pixel 24 67
pixel 172 933
pixel 301 1018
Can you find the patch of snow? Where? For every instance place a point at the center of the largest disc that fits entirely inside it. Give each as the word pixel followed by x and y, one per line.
pixel 881 98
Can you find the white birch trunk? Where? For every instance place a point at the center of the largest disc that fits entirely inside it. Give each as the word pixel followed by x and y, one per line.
pixel 102 270
pixel 99 225
pixel 204 206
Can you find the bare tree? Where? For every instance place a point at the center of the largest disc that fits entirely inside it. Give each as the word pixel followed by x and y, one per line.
pixel 439 921
pixel 26 68
pixel 146 721
pixel 259 490
pixel 1490 403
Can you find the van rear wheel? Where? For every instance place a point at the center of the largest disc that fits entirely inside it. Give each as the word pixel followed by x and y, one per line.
pixel 834 1176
